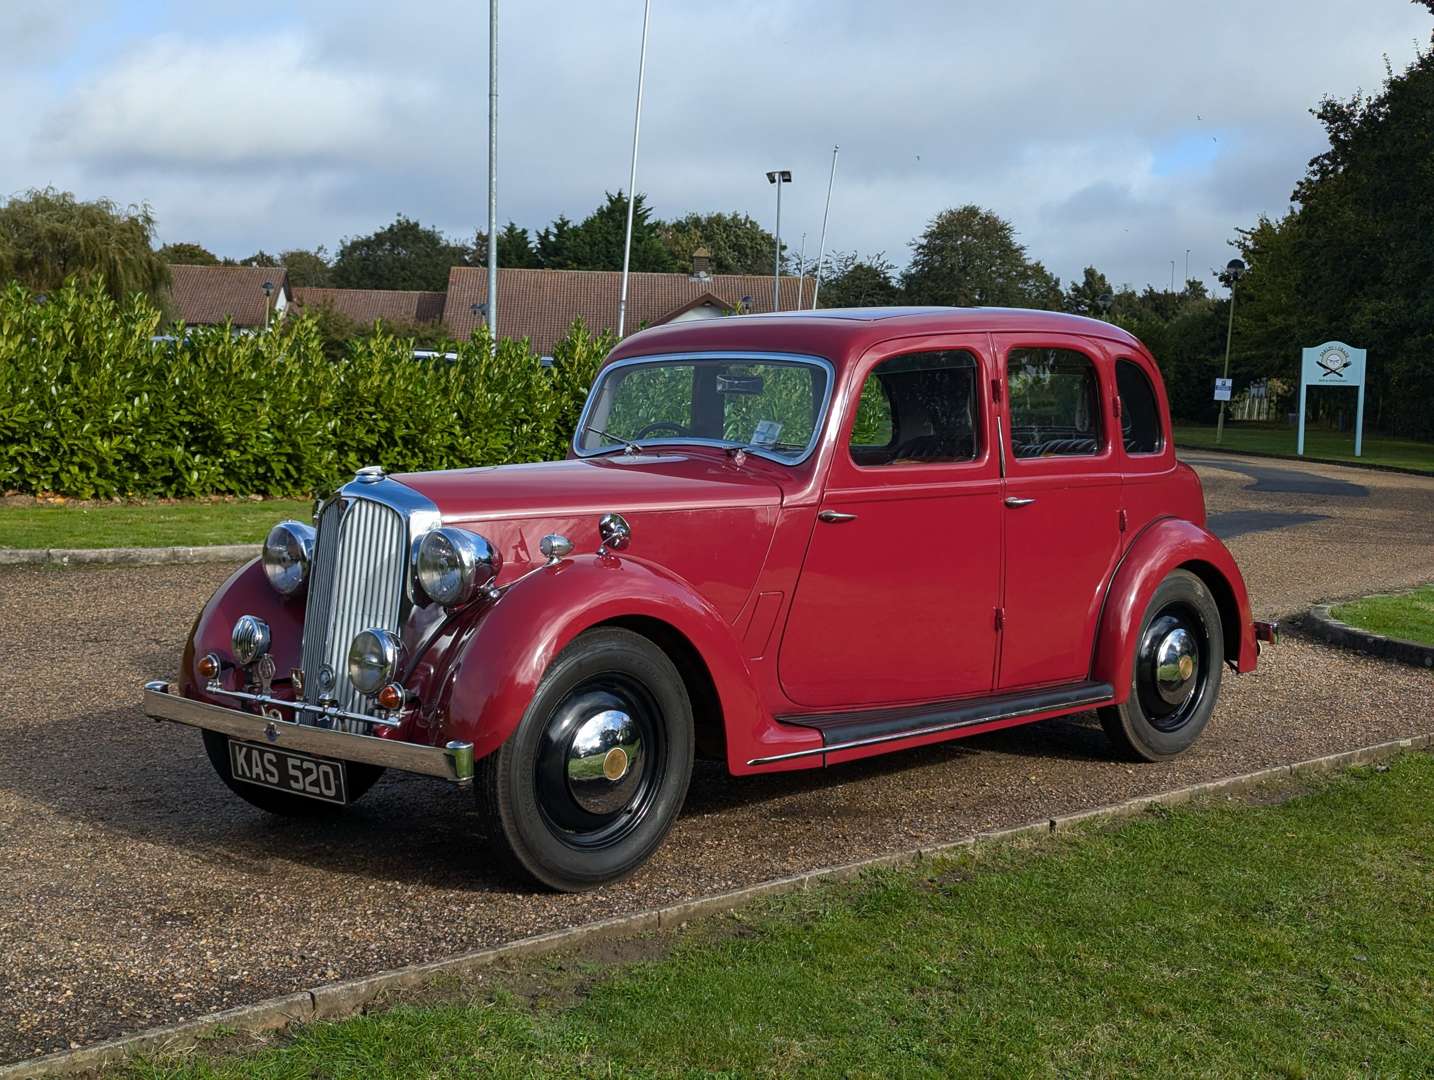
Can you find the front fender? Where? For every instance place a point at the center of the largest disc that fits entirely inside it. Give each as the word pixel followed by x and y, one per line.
pixel 246 592
pixel 1165 545
pixel 499 661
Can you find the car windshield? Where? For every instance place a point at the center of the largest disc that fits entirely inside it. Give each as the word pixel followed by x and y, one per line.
pixel 772 407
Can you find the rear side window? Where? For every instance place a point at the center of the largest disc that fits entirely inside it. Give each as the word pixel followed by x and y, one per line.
pixel 1055 403
pixel 1139 414
pixel 918 408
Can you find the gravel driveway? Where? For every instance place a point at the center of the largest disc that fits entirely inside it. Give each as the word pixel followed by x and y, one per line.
pixel 135 890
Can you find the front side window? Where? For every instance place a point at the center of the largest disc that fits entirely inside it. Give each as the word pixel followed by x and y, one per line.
pixel 773 407
pixel 919 408
pixel 1055 403
pixel 1139 413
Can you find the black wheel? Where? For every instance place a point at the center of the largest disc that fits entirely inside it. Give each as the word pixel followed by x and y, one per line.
pixel 594 775
pixel 1179 658
pixel 360 778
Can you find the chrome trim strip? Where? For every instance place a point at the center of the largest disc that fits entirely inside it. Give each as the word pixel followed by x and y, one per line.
pixel 933 729
pixel 452 762
pixel 331 712
pixel 697 356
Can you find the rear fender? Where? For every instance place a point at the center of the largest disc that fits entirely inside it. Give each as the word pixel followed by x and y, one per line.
pixel 1165 545
pixel 500 659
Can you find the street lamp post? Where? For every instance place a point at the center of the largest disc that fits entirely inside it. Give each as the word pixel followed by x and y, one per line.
pixel 1234 270
pixel 778 177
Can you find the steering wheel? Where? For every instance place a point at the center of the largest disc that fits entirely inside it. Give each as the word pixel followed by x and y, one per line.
pixel 661 425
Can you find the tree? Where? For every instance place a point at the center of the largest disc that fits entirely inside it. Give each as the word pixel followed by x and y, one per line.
pixel 850 281
pixel 515 249
pixel 188 255
pixel 308 268
pixel 735 242
pixel 1353 258
pixel 47 236
pixel 403 255
pixel 969 257
pixel 554 245
pixel 596 243
pixel 1091 296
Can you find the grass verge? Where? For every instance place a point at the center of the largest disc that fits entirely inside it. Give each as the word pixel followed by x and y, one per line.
pixel 1287 939
pixel 1261 438
pixel 1406 615
pixel 107 525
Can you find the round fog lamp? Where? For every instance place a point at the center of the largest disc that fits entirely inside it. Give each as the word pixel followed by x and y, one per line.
pixel 373 660
pixel 250 639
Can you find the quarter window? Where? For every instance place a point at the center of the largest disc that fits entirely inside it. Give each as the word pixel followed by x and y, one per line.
pixel 1139 414
pixel 916 409
pixel 1055 403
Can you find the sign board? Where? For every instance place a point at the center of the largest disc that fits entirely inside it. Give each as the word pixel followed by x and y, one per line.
pixel 1223 388
pixel 1333 364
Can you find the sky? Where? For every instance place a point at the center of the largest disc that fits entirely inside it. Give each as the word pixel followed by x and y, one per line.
pixel 1119 133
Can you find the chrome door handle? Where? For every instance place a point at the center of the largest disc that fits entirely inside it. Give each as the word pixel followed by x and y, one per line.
pixel 834 517
pixel 1015 502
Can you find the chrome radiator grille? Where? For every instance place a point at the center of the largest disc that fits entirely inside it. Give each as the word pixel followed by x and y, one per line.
pixel 360 561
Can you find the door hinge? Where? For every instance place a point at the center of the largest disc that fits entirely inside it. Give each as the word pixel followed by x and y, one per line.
pixel 1122 521
pixel 1000 618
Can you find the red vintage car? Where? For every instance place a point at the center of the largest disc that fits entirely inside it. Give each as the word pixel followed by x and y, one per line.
pixel 783 541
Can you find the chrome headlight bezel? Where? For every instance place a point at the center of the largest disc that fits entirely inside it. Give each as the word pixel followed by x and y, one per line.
pixel 453 565
pixel 288 556
pixel 373 659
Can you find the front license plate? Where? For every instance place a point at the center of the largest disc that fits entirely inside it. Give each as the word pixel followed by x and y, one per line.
pixel 299 774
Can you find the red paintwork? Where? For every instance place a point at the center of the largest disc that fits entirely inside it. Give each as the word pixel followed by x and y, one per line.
pixel 789 615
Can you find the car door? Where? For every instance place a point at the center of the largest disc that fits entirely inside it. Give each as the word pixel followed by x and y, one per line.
pixel 1062 504
pixel 897 596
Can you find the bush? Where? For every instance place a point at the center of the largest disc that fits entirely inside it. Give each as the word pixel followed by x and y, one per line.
pixel 92 407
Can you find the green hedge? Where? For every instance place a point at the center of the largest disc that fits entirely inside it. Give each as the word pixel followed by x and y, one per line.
pixel 91 407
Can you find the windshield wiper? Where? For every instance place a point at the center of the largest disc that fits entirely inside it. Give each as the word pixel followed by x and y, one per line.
pixel 628 446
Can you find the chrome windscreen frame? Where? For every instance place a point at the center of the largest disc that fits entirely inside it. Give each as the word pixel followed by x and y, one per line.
pixel 699 356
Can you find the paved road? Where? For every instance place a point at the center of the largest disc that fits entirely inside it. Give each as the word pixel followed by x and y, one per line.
pixel 135 890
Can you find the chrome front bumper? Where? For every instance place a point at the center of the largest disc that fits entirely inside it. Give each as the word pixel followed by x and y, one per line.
pixel 162 701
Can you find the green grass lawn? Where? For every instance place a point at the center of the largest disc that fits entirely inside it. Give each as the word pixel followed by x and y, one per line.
pixel 1408 615
pixel 1277 939
pixel 145 525
pixel 1263 438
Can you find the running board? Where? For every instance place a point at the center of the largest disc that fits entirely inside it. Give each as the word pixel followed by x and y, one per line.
pixel 871 727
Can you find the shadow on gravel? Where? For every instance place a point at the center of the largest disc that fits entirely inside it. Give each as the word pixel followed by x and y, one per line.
pixel 152 781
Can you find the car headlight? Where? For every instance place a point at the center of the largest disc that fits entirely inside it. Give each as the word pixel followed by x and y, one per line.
pixel 373 660
pixel 453 564
pixel 288 549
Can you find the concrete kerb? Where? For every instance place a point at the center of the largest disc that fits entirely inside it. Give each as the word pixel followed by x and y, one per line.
pixel 1368 466
pixel 339 999
pixel 127 556
pixel 1324 626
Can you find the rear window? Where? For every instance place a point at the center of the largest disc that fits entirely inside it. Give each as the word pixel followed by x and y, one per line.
pixel 1139 413
pixel 1055 403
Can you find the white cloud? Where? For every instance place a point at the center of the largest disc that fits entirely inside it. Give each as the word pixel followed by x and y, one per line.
pixel 1082 123
pixel 181 103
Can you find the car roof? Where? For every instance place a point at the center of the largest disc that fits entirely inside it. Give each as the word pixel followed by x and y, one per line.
pixel 840 333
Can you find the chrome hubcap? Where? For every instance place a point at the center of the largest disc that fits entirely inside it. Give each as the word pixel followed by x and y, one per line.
pixel 604 762
pixel 1177 662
